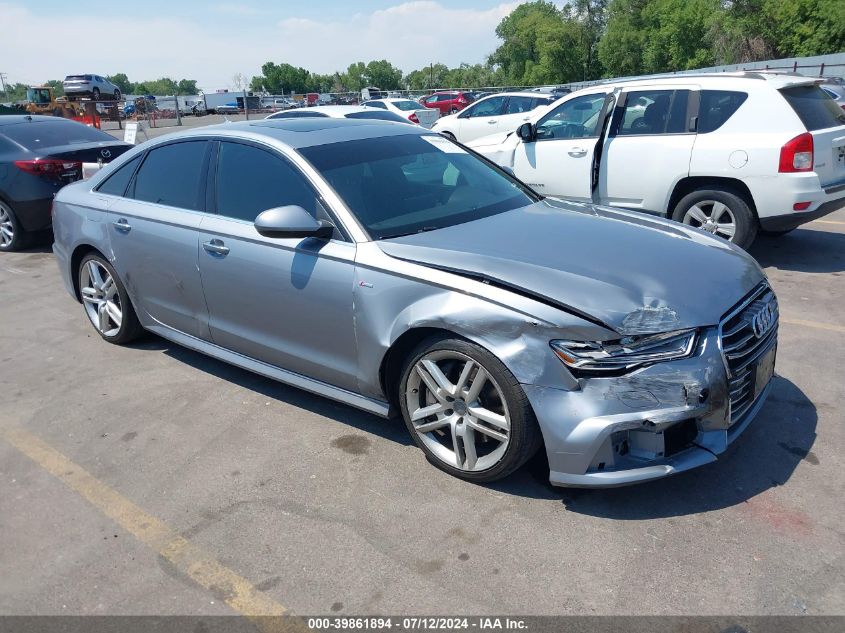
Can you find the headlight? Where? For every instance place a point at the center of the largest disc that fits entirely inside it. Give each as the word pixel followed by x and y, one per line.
pixel 626 353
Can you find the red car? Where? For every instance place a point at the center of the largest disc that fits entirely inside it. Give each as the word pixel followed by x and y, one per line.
pixel 447 102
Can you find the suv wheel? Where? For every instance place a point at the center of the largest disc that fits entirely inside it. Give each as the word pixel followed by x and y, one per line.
pixel 719 212
pixel 466 411
pixel 105 300
pixel 12 236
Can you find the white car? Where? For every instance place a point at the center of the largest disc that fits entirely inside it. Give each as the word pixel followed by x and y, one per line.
pixel 502 112
pixel 729 153
pixel 339 112
pixel 407 108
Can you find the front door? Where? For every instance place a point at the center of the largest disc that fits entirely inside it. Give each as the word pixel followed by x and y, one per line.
pixel 284 301
pixel 559 161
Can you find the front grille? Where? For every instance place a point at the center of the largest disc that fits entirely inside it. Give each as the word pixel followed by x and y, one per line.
pixel 741 348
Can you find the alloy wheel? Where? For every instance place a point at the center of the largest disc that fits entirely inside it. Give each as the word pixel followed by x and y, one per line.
pixel 458 411
pixel 712 216
pixel 101 298
pixel 7 227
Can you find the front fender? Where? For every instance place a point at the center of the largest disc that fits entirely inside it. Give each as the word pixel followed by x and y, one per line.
pixel 398 297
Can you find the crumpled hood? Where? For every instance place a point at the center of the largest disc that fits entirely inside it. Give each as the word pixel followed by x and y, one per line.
pixel 635 273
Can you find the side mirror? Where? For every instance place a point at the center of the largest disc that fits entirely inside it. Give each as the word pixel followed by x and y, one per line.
pixel 291 221
pixel 527 132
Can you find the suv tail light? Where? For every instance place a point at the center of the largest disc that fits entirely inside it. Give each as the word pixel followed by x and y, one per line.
pixel 413 118
pixel 797 154
pixel 50 167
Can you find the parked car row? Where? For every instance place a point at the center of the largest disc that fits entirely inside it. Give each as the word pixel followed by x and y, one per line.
pixel 729 154
pixel 414 278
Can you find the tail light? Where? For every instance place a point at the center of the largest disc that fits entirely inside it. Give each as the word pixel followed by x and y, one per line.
pixel 49 167
pixel 413 118
pixel 797 154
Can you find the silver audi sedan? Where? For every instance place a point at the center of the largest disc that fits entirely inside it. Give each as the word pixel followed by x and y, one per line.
pixel 390 268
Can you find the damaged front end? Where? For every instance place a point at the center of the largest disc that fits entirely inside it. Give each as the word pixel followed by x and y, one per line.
pixel 628 424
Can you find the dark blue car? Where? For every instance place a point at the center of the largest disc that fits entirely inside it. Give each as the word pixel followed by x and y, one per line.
pixel 38 156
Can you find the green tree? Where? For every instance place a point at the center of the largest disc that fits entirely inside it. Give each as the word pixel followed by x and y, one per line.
pixel 57 86
pixel 542 44
pixel 382 74
pixel 187 87
pixel 122 82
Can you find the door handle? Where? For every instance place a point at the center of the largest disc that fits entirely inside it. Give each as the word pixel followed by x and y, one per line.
pixel 216 247
pixel 491 121
pixel 122 225
pixel 577 152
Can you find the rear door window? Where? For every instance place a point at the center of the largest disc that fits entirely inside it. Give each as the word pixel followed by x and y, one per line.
pixel 173 175
pixel 116 184
pixel 716 107
pixel 517 105
pixel 814 107
pixel 649 112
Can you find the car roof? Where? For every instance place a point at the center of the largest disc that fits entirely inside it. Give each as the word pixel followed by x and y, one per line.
pixel 517 93
pixel 337 111
pixel 307 131
pixel 12 119
pixel 770 79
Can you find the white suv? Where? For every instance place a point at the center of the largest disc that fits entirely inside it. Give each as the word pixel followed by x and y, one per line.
pixel 729 153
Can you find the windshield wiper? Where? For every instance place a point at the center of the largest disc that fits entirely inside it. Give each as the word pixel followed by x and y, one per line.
pixel 425 229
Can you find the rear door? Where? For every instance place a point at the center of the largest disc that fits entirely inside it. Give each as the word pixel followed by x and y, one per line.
pixel 559 161
pixel 648 148
pixel 154 235
pixel 825 120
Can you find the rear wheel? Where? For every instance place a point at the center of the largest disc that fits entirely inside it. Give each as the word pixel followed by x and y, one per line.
pixel 453 110
pixel 105 300
pixel 12 236
pixel 466 411
pixel 117 95
pixel 96 94
pixel 719 212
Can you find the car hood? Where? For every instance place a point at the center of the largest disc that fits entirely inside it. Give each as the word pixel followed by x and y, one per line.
pixel 634 273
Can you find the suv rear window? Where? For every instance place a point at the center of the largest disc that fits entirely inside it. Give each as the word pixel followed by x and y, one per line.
pixel 36 135
pixel 717 106
pixel 814 107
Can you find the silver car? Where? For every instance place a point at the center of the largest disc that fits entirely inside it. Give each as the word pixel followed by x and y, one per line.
pixel 94 86
pixel 386 267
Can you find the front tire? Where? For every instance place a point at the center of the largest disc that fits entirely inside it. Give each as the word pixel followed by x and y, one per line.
pixel 12 236
pixel 720 212
pixel 466 411
pixel 117 95
pixel 95 93
pixel 106 302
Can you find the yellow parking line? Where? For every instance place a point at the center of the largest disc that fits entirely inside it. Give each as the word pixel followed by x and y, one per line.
pixel 815 324
pixel 191 560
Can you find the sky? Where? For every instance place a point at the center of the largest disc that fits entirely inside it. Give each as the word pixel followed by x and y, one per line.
pixel 213 41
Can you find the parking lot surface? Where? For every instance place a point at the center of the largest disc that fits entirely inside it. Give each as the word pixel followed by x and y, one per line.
pixel 150 479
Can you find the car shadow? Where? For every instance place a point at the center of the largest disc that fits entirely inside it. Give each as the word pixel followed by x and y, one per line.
pixel 765 456
pixel 802 250
pixel 392 429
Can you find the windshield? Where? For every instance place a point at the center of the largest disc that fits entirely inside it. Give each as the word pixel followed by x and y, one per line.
pixel 399 185
pixel 407 105
pixel 35 135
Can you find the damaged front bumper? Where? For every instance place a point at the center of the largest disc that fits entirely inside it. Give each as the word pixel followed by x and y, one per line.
pixel 658 421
